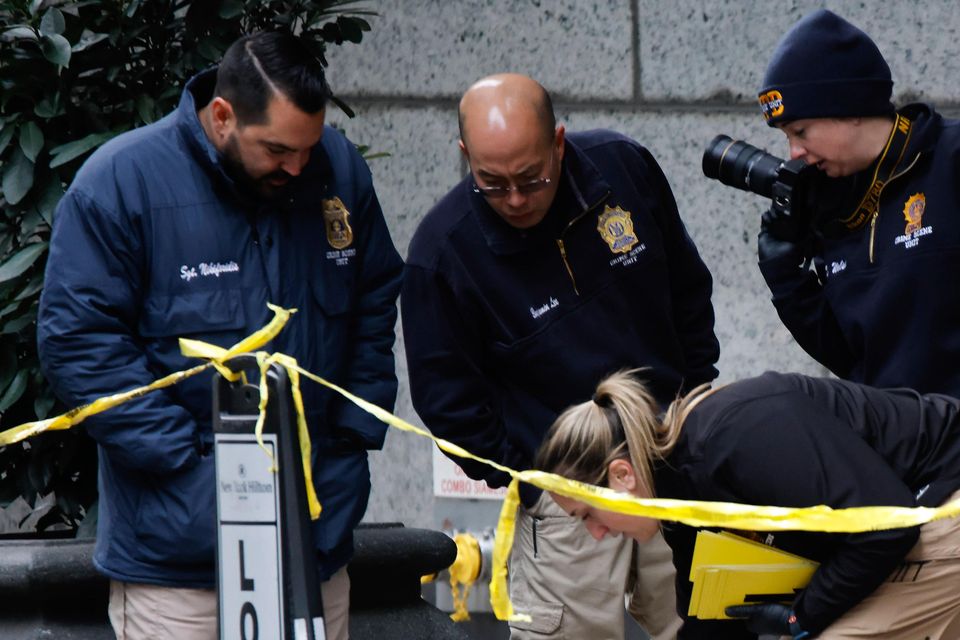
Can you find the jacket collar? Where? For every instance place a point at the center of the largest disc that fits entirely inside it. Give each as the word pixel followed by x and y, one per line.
pixel 199 91
pixel 581 187
pixel 926 128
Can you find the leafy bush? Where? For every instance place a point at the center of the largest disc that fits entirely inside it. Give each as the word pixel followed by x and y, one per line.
pixel 73 74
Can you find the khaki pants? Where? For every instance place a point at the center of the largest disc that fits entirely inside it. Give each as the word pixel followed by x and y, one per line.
pixel 573 586
pixel 149 612
pixel 920 600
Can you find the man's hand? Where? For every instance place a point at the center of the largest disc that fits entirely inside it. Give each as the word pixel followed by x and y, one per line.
pixel 774 619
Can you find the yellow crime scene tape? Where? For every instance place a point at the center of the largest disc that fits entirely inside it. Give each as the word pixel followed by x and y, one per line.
pixel 690 512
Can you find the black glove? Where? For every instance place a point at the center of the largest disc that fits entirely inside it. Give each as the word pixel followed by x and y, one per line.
pixel 773 619
pixel 780 236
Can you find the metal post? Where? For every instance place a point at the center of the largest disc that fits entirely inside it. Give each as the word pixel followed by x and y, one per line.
pixel 267 576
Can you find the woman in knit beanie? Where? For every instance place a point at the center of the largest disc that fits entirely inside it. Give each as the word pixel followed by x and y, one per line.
pixel 858 286
pixel 861 288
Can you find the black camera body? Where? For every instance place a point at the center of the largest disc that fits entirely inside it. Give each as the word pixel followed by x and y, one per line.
pixel 788 183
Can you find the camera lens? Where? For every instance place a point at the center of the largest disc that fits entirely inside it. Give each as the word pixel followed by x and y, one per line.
pixel 741 165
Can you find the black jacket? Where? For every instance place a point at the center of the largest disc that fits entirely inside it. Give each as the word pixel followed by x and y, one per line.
pixel 795 441
pixel 501 337
pixel 891 319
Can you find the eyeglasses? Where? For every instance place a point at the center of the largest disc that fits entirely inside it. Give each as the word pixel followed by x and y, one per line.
pixel 502 192
pixel 526 188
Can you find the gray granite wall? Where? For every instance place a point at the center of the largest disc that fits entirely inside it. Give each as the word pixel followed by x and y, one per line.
pixel 670 73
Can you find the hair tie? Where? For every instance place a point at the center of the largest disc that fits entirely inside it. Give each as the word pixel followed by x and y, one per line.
pixel 602 400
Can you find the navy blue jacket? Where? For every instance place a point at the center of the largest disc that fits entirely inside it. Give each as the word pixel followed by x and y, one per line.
pixel 501 335
pixel 893 320
pixel 152 242
pixel 794 441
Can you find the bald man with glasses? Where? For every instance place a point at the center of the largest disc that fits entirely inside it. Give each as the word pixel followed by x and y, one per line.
pixel 558 260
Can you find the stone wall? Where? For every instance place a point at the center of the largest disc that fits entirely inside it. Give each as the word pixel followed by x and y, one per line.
pixel 670 73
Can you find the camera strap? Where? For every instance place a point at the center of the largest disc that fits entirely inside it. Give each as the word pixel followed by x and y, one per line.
pixel 886 167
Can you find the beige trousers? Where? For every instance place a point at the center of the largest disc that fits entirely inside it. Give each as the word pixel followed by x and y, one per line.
pixel 149 612
pixel 920 600
pixel 573 586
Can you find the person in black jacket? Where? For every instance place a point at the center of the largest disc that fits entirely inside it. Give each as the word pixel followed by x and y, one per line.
pixel 882 217
pixel 559 259
pixel 793 441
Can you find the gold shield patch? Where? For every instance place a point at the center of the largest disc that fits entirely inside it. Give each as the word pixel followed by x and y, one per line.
pixel 337 221
pixel 913 210
pixel 616 228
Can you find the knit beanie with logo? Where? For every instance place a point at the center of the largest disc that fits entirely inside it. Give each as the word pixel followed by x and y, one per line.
pixel 824 67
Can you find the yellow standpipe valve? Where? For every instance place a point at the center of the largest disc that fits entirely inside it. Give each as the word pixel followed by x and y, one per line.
pixel 463 573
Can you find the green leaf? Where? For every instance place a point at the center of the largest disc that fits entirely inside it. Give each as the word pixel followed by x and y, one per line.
pixel 42 406
pixel 376 155
pixel 7 310
pixel 14 391
pixel 231 9
pixel 21 261
pixel 56 49
pixel 6 242
pixel 5 136
pixel 52 22
pixel 29 223
pixel 17 177
pixel 8 362
pixel 49 107
pixel 209 51
pixel 145 108
pixel 343 106
pixel 132 8
pixel 88 39
pixel 18 324
pixel 67 152
pixel 21 32
pixel 50 196
pixel 32 288
pixel 350 29
pixel 31 140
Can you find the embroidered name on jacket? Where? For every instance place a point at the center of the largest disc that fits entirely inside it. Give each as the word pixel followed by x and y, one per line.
pixel 536 312
pixel 208 269
pixel 616 228
pixel 913 210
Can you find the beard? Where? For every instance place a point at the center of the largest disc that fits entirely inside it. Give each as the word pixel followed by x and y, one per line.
pixel 259 187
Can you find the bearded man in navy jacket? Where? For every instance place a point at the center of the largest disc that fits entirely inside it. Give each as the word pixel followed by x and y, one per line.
pixel 558 260
pixel 187 228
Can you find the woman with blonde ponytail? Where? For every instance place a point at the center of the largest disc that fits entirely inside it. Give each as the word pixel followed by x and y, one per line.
pixel 794 441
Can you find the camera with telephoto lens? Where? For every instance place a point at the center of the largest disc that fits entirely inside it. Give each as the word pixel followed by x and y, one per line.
pixel 788 183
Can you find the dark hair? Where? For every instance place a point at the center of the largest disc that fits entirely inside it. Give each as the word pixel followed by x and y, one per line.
pixel 258 66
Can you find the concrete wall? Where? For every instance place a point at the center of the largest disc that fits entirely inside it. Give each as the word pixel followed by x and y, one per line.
pixel 670 73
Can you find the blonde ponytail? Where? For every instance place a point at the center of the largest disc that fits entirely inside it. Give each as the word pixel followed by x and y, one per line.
pixel 620 421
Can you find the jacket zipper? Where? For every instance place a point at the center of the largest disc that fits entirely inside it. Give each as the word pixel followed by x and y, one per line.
pixel 566 263
pixel 873 219
pixel 563 249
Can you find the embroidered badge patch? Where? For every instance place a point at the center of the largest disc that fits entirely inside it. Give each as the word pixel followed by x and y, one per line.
pixel 616 228
pixel 913 210
pixel 771 103
pixel 337 221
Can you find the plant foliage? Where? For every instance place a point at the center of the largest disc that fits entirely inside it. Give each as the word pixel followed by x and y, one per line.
pixel 73 74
